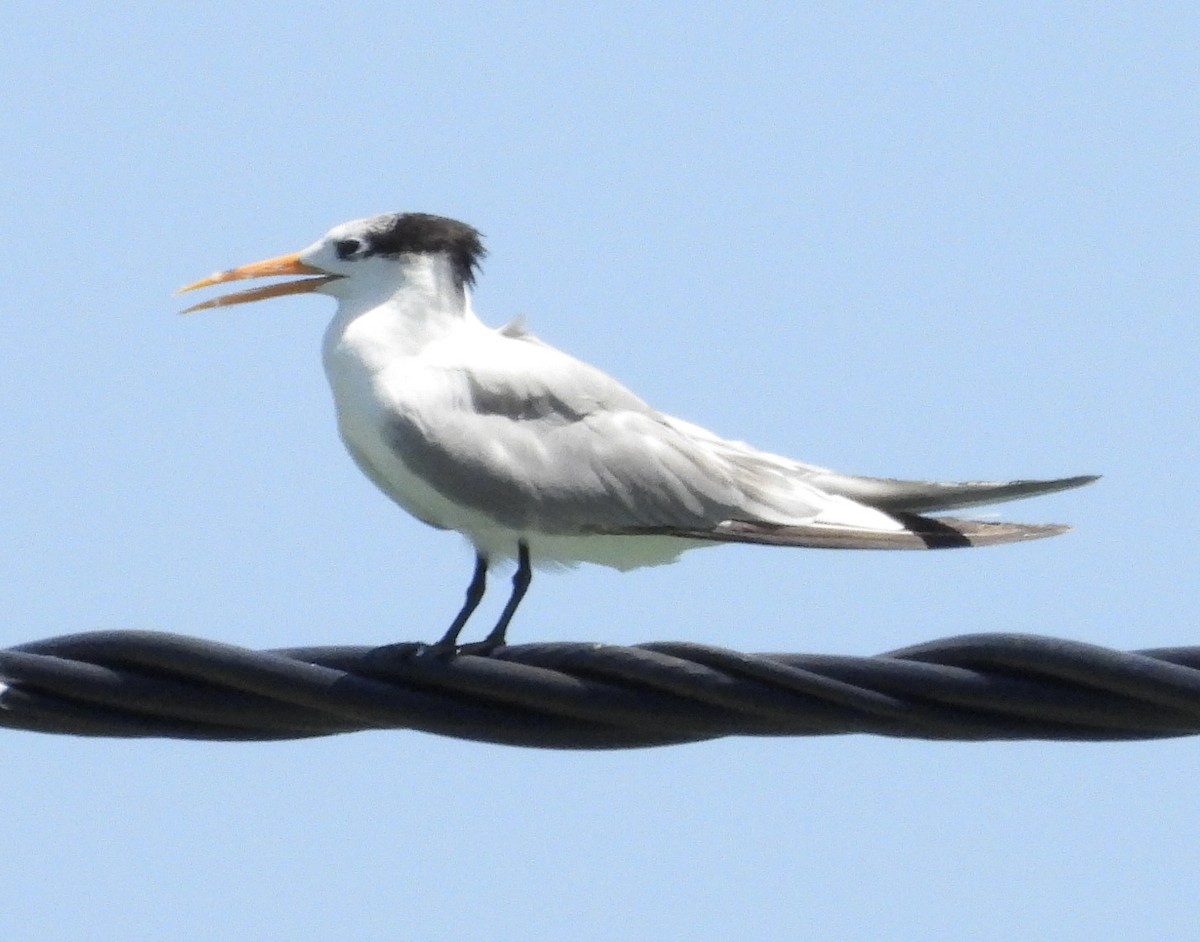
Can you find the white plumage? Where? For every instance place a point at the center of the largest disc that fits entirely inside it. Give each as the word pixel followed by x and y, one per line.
pixel 531 453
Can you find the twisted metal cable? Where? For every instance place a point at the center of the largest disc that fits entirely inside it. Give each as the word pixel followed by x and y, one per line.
pixel 595 696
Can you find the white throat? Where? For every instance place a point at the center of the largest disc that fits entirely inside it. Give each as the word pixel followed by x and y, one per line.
pixel 391 308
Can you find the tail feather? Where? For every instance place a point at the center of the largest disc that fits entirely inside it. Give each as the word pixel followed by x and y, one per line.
pixel 918 533
pixel 918 497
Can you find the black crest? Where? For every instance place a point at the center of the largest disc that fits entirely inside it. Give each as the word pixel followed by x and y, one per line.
pixel 422 233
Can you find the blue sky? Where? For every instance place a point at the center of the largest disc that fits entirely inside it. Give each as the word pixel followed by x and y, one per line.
pixel 926 240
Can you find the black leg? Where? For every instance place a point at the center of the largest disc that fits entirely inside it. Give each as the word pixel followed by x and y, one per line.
pixel 474 594
pixel 520 583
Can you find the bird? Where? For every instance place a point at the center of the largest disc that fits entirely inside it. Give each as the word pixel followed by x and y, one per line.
pixel 540 457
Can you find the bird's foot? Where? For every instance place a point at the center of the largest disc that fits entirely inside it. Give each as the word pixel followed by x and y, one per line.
pixel 482 648
pixel 414 650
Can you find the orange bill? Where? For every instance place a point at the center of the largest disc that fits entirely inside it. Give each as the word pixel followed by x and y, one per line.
pixel 282 265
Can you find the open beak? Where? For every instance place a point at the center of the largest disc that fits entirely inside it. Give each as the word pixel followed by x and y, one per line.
pixel 283 265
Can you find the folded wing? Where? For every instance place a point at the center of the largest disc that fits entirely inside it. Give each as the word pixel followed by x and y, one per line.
pixel 926 496
pixel 537 441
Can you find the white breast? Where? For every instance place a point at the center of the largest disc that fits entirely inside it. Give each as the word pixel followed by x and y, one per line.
pixel 366 391
pixel 355 370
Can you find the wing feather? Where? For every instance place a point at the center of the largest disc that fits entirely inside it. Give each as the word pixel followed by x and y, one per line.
pixel 535 440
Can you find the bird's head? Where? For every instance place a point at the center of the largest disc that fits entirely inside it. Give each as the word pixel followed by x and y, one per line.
pixel 378 251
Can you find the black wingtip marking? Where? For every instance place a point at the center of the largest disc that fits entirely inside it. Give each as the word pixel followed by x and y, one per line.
pixel 932 532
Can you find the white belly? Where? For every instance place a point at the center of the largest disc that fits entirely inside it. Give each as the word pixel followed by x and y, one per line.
pixel 363 406
pixel 386 468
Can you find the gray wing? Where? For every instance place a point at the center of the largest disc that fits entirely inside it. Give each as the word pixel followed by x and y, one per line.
pixel 537 440
pixel 926 496
pixel 564 450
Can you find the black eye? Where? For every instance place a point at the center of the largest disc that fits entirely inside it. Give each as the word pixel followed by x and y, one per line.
pixel 347 247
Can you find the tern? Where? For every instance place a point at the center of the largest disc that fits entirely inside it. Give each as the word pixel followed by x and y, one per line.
pixel 535 455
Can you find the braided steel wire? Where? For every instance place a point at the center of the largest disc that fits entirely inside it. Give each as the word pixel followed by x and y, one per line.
pixel 597 696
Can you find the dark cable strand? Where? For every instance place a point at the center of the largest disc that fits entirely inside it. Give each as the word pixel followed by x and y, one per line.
pixel 593 696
